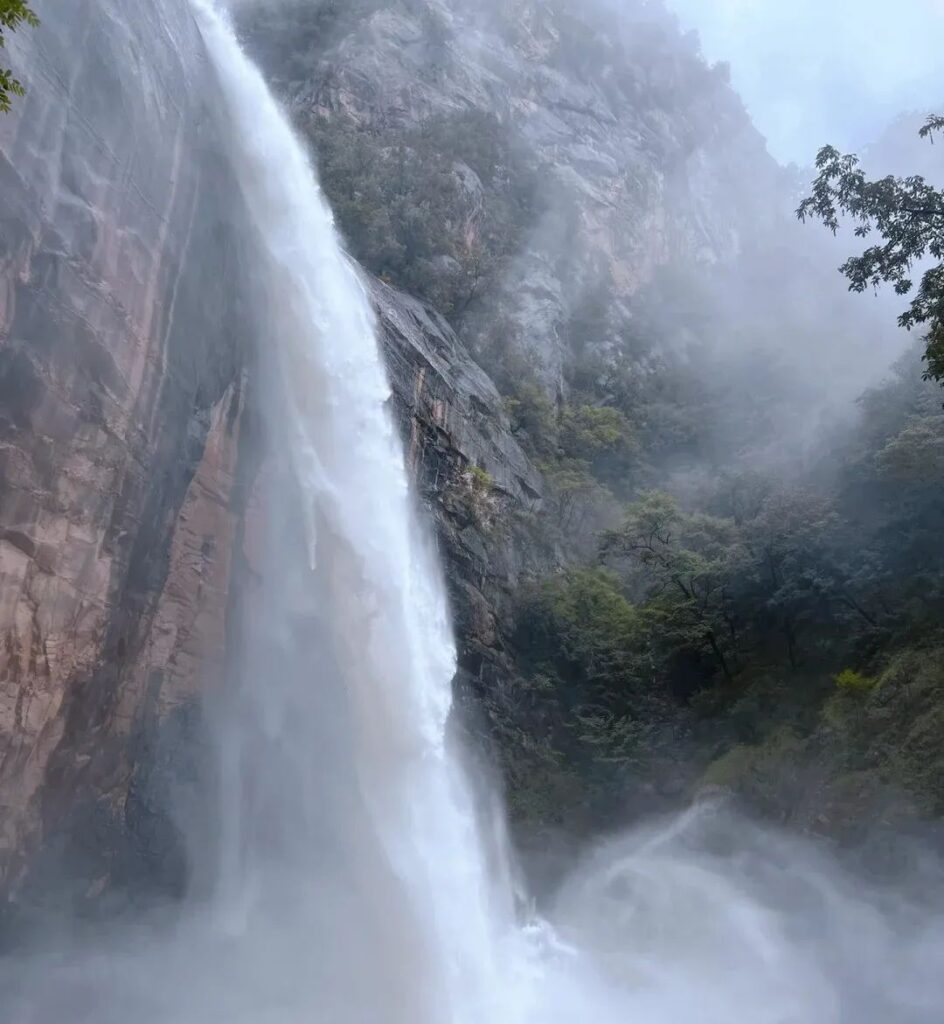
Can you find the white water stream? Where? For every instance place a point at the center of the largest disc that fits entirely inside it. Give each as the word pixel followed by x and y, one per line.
pixel 387 638
pixel 361 880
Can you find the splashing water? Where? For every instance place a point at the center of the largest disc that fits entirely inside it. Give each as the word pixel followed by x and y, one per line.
pixel 356 885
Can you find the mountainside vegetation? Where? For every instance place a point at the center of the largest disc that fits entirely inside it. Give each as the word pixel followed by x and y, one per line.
pixel 748 583
pixel 435 210
pixel 750 633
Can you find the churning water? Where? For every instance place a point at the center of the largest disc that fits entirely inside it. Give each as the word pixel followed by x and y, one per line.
pixel 356 884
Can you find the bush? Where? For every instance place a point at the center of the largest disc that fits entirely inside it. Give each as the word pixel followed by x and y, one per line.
pixel 851 681
pixel 533 417
pixel 477 495
pixel 434 210
pixel 582 712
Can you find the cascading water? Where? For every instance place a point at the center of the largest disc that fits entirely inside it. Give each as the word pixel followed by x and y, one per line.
pixel 656 931
pixel 362 570
pixel 355 886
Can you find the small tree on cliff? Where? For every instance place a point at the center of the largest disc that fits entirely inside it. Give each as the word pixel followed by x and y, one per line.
pixel 13 13
pixel 908 214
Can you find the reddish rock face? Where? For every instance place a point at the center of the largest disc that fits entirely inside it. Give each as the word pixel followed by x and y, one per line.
pixel 132 479
pixel 121 405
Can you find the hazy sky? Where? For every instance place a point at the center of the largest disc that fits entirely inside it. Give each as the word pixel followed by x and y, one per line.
pixel 817 71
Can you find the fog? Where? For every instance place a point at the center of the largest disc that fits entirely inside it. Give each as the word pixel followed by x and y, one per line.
pixel 704 917
pixel 358 869
pixel 812 73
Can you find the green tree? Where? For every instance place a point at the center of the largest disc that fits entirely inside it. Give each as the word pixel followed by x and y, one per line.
pixel 13 13
pixel 685 564
pixel 533 416
pixel 601 437
pixel 908 214
pixel 572 495
pixel 584 696
pixel 790 579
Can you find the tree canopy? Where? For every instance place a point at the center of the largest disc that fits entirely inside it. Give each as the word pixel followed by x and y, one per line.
pixel 13 13
pixel 908 214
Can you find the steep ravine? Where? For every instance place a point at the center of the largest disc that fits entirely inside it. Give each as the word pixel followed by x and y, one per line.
pixel 131 452
pixel 565 230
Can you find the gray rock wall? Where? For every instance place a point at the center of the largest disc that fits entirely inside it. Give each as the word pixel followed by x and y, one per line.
pixel 645 155
pixel 453 423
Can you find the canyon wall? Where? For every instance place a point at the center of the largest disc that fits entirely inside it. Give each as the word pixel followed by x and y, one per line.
pixel 129 447
pixel 124 336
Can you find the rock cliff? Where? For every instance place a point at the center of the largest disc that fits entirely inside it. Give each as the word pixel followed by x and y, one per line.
pixel 123 356
pixel 639 154
pixel 128 447
pixel 525 169
pixel 472 475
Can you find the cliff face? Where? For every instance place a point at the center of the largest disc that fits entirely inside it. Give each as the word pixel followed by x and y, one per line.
pixel 639 155
pixel 471 474
pixel 531 168
pixel 123 346
pixel 128 446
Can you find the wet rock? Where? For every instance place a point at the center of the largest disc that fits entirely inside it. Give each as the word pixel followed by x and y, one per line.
pixel 452 420
pixel 131 474
pixel 123 337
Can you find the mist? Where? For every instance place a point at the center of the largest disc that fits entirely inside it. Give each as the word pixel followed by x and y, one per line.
pixel 812 74
pixel 575 652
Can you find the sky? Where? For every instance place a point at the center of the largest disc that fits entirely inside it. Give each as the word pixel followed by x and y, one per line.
pixel 818 71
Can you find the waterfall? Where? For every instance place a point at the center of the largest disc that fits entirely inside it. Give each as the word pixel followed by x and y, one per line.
pixel 379 638
pixel 358 882
pixel 657 929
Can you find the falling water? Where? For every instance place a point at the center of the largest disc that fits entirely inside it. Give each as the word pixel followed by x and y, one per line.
pixel 659 929
pixel 355 884
pixel 378 635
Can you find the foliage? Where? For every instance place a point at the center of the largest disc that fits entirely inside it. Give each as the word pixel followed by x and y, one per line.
pixel 685 566
pixel 589 623
pixel 572 496
pixel 759 765
pixel 892 497
pixel 434 209
pixel 581 646
pixel 481 480
pixel 588 430
pixel 477 494
pixel 583 451
pixel 908 214
pixel 747 603
pixel 790 574
pixel 601 437
pixel 13 14
pixel 854 682
pixel 533 417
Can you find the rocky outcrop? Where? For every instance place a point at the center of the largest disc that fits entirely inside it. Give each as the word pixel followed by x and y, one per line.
pixel 472 475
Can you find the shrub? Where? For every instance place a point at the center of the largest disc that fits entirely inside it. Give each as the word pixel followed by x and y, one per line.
pixel 477 494
pixel 534 416
pixel 851 681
